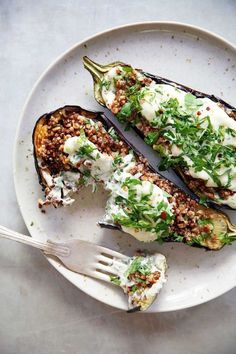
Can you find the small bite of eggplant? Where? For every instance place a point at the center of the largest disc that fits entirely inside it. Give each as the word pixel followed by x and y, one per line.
pixel 141 277
pixel 74 147
pixel 193 132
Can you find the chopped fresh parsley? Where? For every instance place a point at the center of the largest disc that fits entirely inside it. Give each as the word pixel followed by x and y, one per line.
pixel 127 69
pixel 226 238
pixel 198 240
pixel 177 237
pixel 117 160
pixel 132 106
pixel 196 139
pixel 85 151
pixel 125 112
pixel 151 138
pixel 138 212
pixel 138 265
pixel 134 288
pixel 231 132
pixel 106 84
pixel 203 201
pixel 192 103
pixel 115 279
pixel 113 134
pixel 205 222
pixel 84 179
pixel 130 181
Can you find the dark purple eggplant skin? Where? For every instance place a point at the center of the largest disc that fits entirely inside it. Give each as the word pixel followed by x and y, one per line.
pixel 40 178
pixel 105 225
pixel 135 309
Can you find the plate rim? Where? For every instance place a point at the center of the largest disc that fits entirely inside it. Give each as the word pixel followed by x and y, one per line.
pixel 181 25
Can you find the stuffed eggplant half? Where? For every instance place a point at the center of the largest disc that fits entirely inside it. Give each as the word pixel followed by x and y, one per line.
pixel 195 133
pixel 74 147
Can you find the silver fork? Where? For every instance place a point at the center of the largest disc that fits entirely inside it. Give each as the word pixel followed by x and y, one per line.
pixel 79 256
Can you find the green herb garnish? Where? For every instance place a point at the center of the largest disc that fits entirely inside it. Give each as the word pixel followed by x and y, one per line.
pixel 106 84
pixel 151 138
pixel 192 103
pixel 137 265
pixel 113 134
pixel 177 237
pixel 127 69
pixel 115 279
pixel 85 151
pixel 125 112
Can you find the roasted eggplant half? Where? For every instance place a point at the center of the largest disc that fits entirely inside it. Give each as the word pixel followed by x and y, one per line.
pixel 57 176
pixel 74 147
pixel 193 132
pixel 141 277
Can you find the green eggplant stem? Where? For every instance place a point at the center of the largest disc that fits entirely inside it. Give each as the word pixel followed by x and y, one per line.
pixel 96 70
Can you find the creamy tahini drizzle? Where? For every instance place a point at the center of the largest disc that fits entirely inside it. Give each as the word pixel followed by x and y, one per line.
pixel 101 168
pixel 154 95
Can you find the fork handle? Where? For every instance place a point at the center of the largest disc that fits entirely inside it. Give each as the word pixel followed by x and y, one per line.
pixel 48 247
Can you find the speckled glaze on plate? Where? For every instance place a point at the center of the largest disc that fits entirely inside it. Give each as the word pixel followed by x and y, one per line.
pixel 183 53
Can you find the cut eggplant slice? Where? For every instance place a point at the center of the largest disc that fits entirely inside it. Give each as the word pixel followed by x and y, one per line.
pixel 193 132
pixel 74 147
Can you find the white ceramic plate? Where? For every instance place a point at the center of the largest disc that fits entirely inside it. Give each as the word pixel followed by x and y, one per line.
pixel 180 52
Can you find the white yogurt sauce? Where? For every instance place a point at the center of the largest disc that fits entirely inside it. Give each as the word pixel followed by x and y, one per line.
pixel 62 186
pixel 109 93
pixel 100 164
pixel 156 94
